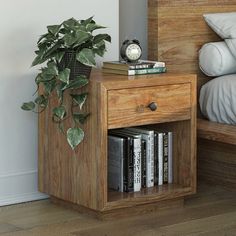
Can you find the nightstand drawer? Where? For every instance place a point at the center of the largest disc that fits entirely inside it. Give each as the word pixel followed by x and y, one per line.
pixel 139 106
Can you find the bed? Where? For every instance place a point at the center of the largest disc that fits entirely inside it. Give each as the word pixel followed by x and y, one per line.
pixel 176 32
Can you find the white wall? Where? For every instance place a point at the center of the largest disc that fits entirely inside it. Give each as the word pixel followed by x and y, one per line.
pixel 133 22
pixel 21 24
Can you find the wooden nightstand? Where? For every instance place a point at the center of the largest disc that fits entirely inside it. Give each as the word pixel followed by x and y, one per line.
pixel 80 178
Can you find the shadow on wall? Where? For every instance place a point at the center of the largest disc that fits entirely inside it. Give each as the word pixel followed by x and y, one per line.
pixel 133 22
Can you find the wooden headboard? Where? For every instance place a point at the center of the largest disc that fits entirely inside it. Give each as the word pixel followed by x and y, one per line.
pixel 177 30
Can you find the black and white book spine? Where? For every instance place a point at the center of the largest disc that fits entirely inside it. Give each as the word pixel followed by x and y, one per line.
pixel 115 162
pixel 143 163
pixel 155 158
pixel 160 158
pixel 148 135
pixel 128 162
pixel 170 157
pixel 149 160
pixel 131 168
pixel 125 164
pixel 149 179
pixel 165 157
pixel 149 169
pixel 137 165
pixel 151 183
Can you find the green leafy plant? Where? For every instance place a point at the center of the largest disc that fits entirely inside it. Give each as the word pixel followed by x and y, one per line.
pixel 77 38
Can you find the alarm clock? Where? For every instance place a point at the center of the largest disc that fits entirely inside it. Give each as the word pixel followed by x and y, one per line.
pixel 131 50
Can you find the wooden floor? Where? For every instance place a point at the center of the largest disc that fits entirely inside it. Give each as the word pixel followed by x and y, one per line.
pixel 211 212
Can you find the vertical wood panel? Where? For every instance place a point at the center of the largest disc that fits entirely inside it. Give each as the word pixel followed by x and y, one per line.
pixel 62 171
pixel 179 33
pixel 177 30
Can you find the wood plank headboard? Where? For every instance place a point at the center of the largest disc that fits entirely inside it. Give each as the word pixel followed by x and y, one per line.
pixel 177 30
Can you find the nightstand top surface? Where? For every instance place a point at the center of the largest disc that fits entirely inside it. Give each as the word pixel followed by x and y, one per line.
pixel 115 81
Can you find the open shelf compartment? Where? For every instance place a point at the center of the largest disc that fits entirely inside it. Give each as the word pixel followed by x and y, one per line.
pixel 183 165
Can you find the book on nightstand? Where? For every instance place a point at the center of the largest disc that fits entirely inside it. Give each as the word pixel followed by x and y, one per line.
pixel 128 166
pixel 141 64
pixel 138 158
pixel 143 163
pixel 136 140
pixel 164 151
pixel 165 157
pixel 170 157
pixel 136 68
pixel 116 159
pixel 156 70
pixel 160 158
pixel 148 136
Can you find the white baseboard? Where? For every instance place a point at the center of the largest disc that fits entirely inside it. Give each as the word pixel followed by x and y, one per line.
pixel 19 187
pixel 20 198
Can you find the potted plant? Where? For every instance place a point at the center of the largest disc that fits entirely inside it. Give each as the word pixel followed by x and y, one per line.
pixel 67 53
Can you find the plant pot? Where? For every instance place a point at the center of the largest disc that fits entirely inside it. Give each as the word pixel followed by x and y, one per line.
pixel 76 68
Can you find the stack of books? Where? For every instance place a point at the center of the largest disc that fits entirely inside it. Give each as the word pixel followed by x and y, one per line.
pixel 140 68
pixel 139 158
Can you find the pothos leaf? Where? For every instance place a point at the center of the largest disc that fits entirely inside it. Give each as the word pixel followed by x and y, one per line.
pixel 70 39
pixel 42 37
pixel 78 82
pixel 92 26
pixel 42 101
pixel 39 59
pixel 70 23
pixel 75 137
pixel 59 112
pixel 28 106
pixel 59 56
pixel 87 21
pixel 54 29
pixel 81 37
pixel 49 86
pixel 59 89
pixel 98 38
pixel 79 99
pixel 64 75
pixel 51 68
pixel 80 117
pixel 86 57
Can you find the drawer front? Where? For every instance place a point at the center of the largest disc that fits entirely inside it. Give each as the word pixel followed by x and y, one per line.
pixel 130 107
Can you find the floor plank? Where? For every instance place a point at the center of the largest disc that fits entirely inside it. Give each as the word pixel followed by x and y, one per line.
pixel 5 227
pixel 210 212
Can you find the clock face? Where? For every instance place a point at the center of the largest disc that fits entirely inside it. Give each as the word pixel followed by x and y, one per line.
pixel 133 52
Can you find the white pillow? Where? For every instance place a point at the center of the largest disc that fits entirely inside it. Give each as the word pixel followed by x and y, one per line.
pixel 224 24
pixel 218 98
pixel 231 43
pixel 215 59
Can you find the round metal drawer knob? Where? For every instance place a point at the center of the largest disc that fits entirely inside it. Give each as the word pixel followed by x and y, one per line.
pixel 152 106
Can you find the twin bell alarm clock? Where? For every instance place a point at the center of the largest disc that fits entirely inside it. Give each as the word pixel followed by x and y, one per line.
pixel 131 51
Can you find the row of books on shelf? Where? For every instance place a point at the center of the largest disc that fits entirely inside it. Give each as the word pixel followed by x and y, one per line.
pixel 139 158
pixel 139 68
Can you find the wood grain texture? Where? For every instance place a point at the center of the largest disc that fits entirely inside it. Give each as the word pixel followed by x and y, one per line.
pixel 211 212
pixel 216 132
pixel 176 32
pixel 217 163
pixel 80 177
pixel 129 107
pixel 74 176
pixel 116 211
pixel 184 144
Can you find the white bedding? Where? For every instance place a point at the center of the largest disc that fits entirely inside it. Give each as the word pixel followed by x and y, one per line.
pixel 216 59
pixel 224 25
pixel 218 99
